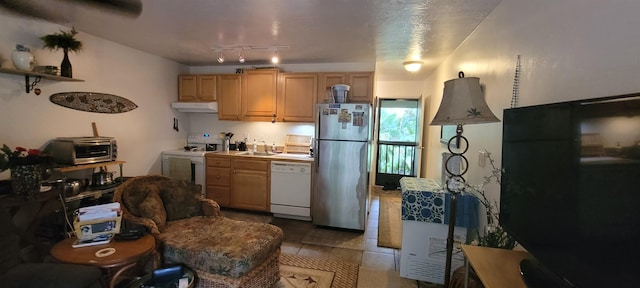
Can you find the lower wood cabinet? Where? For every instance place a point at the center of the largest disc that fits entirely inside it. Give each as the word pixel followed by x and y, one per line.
pixel 241 183
pixel 250 184
pixel 219 180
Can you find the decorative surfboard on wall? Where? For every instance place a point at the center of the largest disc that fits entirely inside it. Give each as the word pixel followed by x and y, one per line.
pixel 93 102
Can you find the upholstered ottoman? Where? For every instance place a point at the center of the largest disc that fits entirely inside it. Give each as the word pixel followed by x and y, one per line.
pixel 224 249
pixel 190 231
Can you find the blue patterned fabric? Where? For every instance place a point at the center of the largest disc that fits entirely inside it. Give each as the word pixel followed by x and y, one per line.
pixel 424 200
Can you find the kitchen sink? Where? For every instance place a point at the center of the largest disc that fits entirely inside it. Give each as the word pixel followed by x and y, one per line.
pixel 250 153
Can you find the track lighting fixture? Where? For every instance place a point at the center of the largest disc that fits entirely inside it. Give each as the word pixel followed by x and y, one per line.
pixel 275 57
pixel 240 58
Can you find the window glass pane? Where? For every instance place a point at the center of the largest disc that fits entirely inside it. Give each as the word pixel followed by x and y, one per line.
pixel 398 120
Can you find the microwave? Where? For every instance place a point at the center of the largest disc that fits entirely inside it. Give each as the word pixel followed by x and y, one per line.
pixel 83 150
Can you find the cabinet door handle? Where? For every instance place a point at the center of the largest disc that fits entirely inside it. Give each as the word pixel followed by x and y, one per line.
pixel 217 176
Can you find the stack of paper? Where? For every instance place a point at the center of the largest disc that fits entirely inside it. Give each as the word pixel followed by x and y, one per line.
pixel 101 239
pixel 109 210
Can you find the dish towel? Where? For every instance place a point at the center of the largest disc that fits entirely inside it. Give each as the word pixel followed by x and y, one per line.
pixel 180 168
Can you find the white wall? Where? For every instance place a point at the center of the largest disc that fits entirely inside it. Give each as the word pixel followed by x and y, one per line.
pixel 106 67
pixel 570 49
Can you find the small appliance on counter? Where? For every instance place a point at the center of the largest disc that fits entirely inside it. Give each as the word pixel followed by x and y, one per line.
pixel 83 150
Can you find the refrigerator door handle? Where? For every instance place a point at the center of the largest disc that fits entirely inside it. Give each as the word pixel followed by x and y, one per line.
pixel 316 154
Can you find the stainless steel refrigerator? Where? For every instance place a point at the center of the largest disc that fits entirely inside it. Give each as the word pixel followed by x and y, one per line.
pixel 342 140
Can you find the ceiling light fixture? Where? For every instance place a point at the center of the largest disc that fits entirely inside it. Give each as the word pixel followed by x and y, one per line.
pixel 275 57
pixel 412 66
pixel 240 57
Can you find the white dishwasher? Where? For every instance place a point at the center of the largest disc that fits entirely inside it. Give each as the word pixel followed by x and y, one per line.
pixel 291 190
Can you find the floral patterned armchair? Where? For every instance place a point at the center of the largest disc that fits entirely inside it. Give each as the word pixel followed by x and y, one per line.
pixel 190 231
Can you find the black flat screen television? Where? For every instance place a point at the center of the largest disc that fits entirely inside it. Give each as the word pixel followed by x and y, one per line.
pixel 570 192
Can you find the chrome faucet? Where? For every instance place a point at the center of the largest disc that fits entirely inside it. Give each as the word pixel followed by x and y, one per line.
pixel 266 149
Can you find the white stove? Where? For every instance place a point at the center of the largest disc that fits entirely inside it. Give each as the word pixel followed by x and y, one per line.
pixel 189 164
pixel 186 153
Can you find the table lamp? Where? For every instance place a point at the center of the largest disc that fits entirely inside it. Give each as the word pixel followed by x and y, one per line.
pixel 462 104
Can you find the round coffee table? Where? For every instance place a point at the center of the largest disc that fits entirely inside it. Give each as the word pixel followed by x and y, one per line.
pixel 116 255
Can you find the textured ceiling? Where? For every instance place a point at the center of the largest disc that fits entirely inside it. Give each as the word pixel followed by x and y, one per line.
pixel 384 32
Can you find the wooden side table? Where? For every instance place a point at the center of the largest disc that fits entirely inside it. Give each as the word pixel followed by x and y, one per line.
pixel 126 254
pixel 495 267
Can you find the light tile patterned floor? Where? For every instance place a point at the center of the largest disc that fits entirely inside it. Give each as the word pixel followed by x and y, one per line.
pixel 379 266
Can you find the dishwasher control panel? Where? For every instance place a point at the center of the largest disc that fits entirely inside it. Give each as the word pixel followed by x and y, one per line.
pixel 290 167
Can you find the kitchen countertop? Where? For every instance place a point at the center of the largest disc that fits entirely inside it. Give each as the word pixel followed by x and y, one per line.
pixel 277 156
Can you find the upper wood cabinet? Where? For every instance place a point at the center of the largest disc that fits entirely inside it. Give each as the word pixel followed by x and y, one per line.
pixel 361 85
pixel 197 88
pixel 325 81
pixel 297 94
pixel 361 89
pixel 259 88
pixel 229 96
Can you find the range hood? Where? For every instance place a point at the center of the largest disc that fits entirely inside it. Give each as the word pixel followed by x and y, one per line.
pixel 196 107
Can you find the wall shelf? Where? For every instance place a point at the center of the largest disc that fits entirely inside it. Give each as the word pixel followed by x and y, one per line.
pixel 93 192
pixel 38 76
pixel 88 166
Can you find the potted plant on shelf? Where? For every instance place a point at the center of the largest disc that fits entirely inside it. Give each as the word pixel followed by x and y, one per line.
pixel 26 167
pixel 66 41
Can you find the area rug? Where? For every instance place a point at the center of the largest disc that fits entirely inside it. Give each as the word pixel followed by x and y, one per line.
pixel 390 220
pixel 335 238
pixel 300 271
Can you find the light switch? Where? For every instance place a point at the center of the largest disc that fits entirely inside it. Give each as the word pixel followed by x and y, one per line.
pixel 482 158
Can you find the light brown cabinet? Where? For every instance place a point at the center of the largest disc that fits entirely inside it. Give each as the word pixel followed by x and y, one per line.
pixel 361 85
pixel 241 183
pixel 297 94
pixel 259 92
pixel 219 180
pixel 229 94
pixel 361 90
pixel 266 94
pixel 250 184
pixel 197 88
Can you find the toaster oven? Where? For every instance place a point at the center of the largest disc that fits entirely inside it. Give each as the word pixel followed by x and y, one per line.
pixel 83 150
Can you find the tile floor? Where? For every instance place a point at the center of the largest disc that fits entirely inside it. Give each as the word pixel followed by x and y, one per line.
pixel 379 266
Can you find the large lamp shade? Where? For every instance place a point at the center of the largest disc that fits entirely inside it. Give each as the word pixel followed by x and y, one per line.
pixel 463 103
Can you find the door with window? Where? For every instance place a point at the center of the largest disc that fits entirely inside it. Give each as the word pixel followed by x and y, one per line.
pixel 398 147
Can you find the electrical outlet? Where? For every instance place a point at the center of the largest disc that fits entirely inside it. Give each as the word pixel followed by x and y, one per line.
pixel 482 158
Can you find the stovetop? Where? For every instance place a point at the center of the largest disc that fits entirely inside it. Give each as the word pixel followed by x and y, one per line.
pixel 198 144
pixel 182 152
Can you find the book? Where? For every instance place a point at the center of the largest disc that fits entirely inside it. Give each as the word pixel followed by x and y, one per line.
pixel 101 239
pixel 109 210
